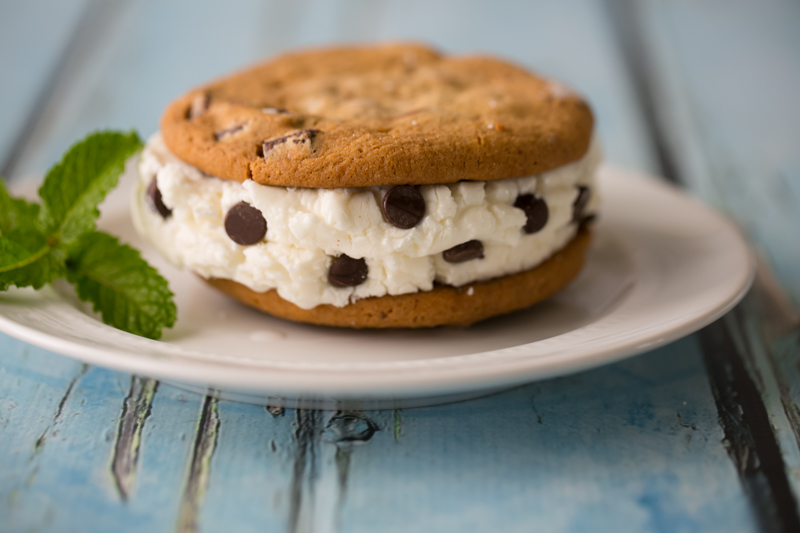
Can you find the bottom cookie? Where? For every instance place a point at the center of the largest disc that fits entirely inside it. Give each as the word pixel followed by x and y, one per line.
pixel 443 305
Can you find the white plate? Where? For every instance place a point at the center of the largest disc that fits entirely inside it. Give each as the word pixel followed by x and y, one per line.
pixel 662 266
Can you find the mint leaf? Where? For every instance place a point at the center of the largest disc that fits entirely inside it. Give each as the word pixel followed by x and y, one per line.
pixel 21 247
pixel 15 213
pixel 26 260
pixel 74 187
pixel 129 293
pixel 37 274
pixel 25 256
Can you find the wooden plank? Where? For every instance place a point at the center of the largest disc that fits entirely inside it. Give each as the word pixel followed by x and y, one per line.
pixel 631 447
pixel 34 35
pixel 727 78
pixel 164 460
pixel 33 402
pixel 150 53
pixel 539 455
pixel 723 80
pixel 251 471
pixel 59 437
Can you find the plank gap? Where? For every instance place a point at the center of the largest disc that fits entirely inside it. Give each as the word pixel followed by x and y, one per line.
pixel 205 444
pixel 749 437
pixel 135 410
pixel 633 50
pixel 40 442
pixel 301 491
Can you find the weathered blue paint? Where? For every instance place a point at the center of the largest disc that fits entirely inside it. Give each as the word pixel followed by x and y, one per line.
pixel 727 77
pixel 33 34
pixel 67 477
pixel 631 447
pixel 257 450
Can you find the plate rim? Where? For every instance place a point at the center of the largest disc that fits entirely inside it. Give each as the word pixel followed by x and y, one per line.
pixel 542 367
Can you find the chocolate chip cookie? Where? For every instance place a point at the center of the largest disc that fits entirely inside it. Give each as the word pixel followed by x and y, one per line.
pixel 387 115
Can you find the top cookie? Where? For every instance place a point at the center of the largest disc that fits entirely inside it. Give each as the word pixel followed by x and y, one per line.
pixel 388 115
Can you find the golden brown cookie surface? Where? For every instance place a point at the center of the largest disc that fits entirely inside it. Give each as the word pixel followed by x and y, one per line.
pixel 444 305
pixel 396 114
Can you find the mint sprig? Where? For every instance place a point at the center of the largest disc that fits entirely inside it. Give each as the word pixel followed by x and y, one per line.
pixel 39 244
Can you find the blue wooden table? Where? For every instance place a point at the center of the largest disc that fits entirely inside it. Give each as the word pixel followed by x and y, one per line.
pixel 700 435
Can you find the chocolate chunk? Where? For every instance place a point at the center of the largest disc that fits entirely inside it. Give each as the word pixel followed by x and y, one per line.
pixel 229 131
pixel 535 209
pixel 302 138
pixel 587 221
pixel 403 206
pixel 579 205
pixel 464 252
pixel 347 272
pixel 155 201
pixel 199 106
pixel 245 224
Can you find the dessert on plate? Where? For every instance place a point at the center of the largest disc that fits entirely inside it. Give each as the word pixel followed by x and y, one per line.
pixel 370 187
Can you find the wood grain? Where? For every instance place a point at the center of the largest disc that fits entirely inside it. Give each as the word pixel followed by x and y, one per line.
pixel 727 120
pixel 135 410
pixel 635 446
pixel 31 77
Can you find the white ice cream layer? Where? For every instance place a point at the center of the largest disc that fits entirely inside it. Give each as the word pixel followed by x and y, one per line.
pixel 307 228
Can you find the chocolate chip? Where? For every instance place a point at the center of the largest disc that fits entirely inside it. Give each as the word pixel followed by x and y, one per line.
pixel 347 272
pixel 245 224
pixel 403 206
pixel 464 252
pixel 302 137
pixel 587 221
pixel 535 210
pixel 579 205
pixel 199 106
pixel 155 201
pixel 219 135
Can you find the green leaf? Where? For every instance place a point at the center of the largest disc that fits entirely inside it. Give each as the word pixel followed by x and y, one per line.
pixel 74 187
pixel 15 213
pixel 21 247
pixel 26 260
pixel 25 256
pixel 129 293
